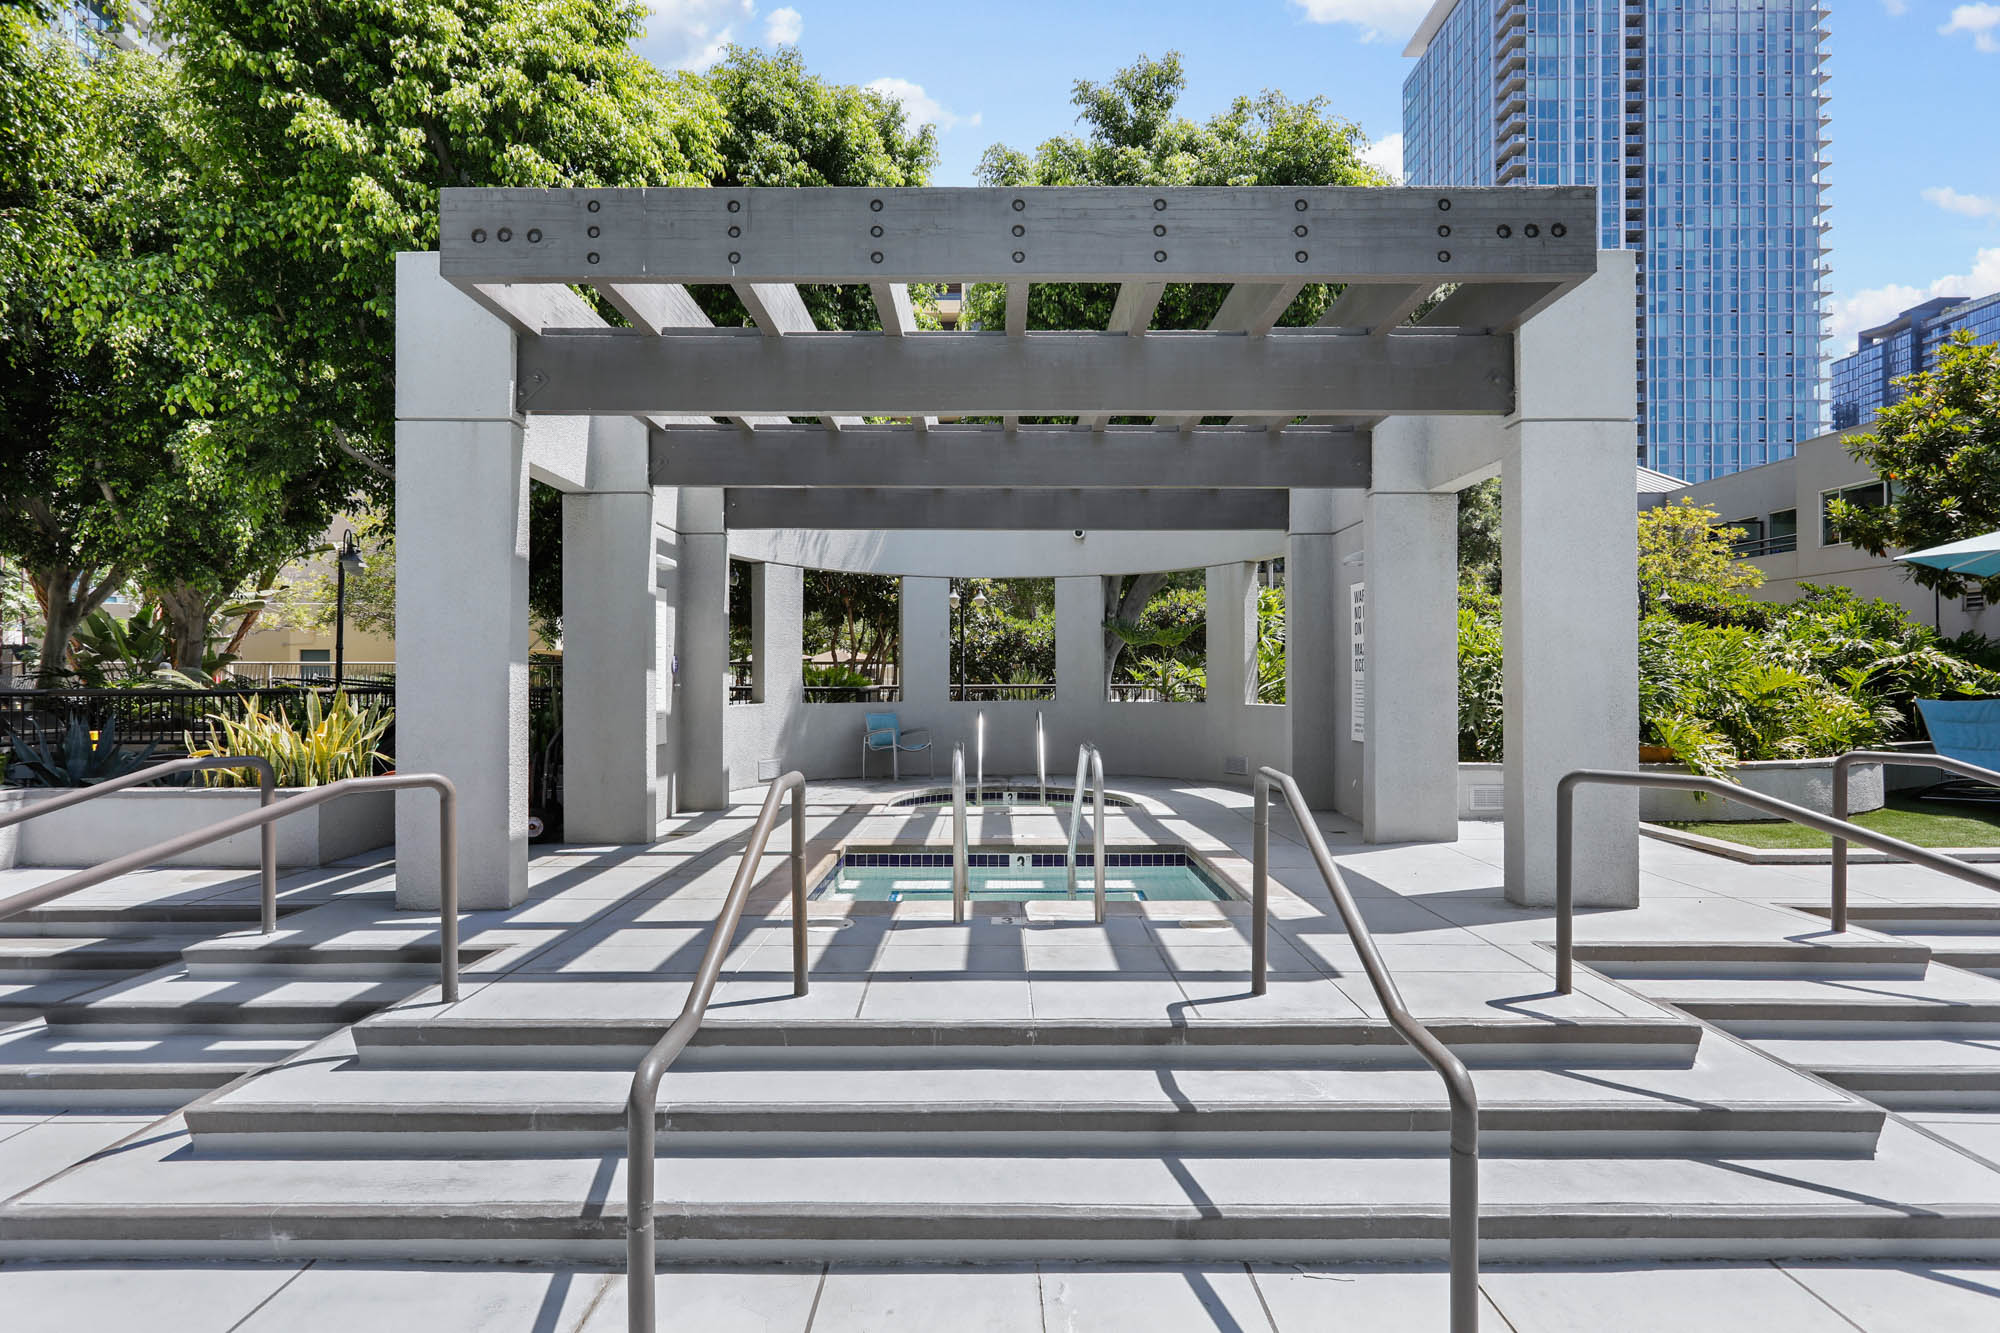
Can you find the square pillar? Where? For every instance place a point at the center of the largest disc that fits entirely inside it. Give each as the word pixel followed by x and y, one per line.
pixel 610 596
pixel 927 661
pixel 461 591
pixel 1316 600
pixel 1409 753
pixel 702 647
pixel 1570 595
pixel 1080 644
pixel 1231 606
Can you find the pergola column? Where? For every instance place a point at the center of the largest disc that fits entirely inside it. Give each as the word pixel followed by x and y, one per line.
pixel 461 591
pixel 1316 600
pixel 702 647
pixel 927 648
pixel 1570 598
pixel 1409 752
pixel 610 611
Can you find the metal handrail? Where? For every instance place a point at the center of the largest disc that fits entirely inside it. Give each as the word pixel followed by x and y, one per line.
pixel 1041 758
pixel 1888 759
pixel 1728 791
pixel 642 1107
pixel 980 732
pixel 1088 757
pixel 1457 1083
pixel 263 817
pixel 267 783
pixel 961 854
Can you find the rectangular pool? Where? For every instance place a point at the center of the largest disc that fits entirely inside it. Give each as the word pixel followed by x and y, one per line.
pixel 1161 874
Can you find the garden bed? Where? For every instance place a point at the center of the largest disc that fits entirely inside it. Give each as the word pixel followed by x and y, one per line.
pixel 1969 832
pixel 129 820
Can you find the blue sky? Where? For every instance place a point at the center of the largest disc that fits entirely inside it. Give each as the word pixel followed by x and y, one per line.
pixel 1916 172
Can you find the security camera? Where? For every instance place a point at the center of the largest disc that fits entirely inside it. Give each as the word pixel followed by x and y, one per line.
pixel 1076 533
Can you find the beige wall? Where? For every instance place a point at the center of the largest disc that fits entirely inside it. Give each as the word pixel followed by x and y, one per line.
pixel 1823 464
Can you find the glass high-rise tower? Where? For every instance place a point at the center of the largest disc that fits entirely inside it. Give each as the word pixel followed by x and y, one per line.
pixel 1703 126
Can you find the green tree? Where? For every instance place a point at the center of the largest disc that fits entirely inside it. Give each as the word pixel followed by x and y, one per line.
pixel 1939 450
pixel 1682 546
pixel 1134 137
pixel 1479 514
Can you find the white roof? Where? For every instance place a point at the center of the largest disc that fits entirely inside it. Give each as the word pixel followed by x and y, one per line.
pixel 1657 483
pixel 1420 40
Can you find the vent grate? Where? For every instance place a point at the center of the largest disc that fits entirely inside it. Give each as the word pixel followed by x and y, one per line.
pixel 1238 764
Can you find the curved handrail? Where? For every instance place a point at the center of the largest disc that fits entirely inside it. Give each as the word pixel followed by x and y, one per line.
pixel 642 1107
pixel 1041 758
pixel 1457 1082
pixel 263 817
pixel 1088 758
pixel 1888 759
pixel 267 783
pixel 979 780
pixel 1729 791
pixel 961 854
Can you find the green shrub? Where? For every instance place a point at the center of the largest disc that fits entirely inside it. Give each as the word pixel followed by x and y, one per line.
pixel 328 742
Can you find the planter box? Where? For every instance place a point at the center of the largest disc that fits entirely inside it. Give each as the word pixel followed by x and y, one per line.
pixel 129 820
pixel 1807 782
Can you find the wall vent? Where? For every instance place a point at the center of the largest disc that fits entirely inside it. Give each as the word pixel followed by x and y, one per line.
pixel 1489 798
pixel 766 769
pixel 1238 764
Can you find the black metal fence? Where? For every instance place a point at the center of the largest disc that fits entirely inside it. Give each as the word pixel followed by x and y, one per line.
pixel 160 718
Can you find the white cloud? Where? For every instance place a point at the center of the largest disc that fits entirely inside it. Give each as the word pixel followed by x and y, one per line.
pixel 923 109
pixel 1386 153
pixel 783 27
pixel 1896 8
pixel 1864 310
pixel 1966 205
pixel 1981 22
pixel 693 34
pixel 1376 18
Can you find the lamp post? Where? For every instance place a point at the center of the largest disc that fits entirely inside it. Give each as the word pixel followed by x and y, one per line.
pixel 350 554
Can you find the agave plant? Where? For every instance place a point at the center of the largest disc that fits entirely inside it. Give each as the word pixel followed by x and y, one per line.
pixel 328 742
pixel 83 758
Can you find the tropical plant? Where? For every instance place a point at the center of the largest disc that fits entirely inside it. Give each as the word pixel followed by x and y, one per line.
pixel 1481 679
pixel 327 742
pixel 1170 680
pixel 1681 543
pixel 838 682
pixel 1271 646
pixel 83 758
pixel 137 650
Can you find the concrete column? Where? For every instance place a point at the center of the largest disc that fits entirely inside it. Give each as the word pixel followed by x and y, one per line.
pixel 610 789
pixel 461 591
pixel 780 632
pixel 927 662
pixel 1080 643
pixel 1569 589
pixel 666 586
pixel 1409 753
pixel 1232 634
pixel 1316 600
pixel 702 646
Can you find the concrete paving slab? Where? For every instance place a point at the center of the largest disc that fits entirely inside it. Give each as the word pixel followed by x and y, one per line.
pixel 860 1299
pixel 1975 1131
pixel 1207 1298
pixel 75 1298
pixel 745 1299
pixel 979 999
pixel 340 1298
pixel 1333 1298
pixel 1906 1297
pixel 1749 1298
pixel 42 1150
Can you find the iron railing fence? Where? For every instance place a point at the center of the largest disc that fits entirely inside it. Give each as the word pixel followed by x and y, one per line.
pixel 1002 692
pixel 161 718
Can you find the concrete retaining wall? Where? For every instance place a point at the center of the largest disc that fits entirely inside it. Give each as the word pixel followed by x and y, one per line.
pixel 129 820
pixel 1807 782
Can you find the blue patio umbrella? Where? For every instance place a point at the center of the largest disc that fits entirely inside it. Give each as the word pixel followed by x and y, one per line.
pixel 1975 557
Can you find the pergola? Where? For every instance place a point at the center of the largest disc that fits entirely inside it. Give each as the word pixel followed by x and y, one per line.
pixel 1346 442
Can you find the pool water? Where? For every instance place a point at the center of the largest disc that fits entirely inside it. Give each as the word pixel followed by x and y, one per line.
pixel 1151 876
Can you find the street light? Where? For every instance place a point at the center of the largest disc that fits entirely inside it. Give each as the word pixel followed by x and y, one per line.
pixel 350 556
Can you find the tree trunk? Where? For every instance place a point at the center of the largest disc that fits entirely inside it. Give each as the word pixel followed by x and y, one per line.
pixel 187 609
pixel 1125 608
pixel 67 595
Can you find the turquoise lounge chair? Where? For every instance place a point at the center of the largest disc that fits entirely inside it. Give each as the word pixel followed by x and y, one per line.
pixel 883 733
pixel 1968 730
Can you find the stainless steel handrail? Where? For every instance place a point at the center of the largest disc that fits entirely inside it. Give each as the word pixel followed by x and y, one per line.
pixel 979 784
pixel 267 783
pixel 1457 1083
pixel 1041 757
pixel 1888 759
pixel 1088 759
pixel 961 853
pixel 263 817
pixel 1728 791
pixel 642 1107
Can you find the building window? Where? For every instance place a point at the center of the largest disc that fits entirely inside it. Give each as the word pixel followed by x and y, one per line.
pixel 315 664
pixel 1784 531
pixel 1869 495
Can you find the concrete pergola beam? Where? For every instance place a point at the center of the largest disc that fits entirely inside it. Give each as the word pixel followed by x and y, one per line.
pixel 890 456
pixel 1046 234
pixel 1289 372
pixel 1027 509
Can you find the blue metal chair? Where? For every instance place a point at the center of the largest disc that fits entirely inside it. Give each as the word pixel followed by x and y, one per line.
pixel 883 733
pixel 1968 730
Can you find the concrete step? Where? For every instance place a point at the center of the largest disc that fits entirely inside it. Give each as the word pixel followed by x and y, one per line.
pixel 1899 918
pixel 1944 999
pixel 41 1069
pixel 155 1196
pixel 25 1000
pixel 1729 1100
pixel 1972 951
pixel 1903 1073
pixel 1741 958
pixel 197 919
pixel 429 1038
pixel 47 957
pixel 356 954
pixel 176 1002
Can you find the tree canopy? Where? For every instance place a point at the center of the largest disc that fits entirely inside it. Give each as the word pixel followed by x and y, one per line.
pixel 1939 450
